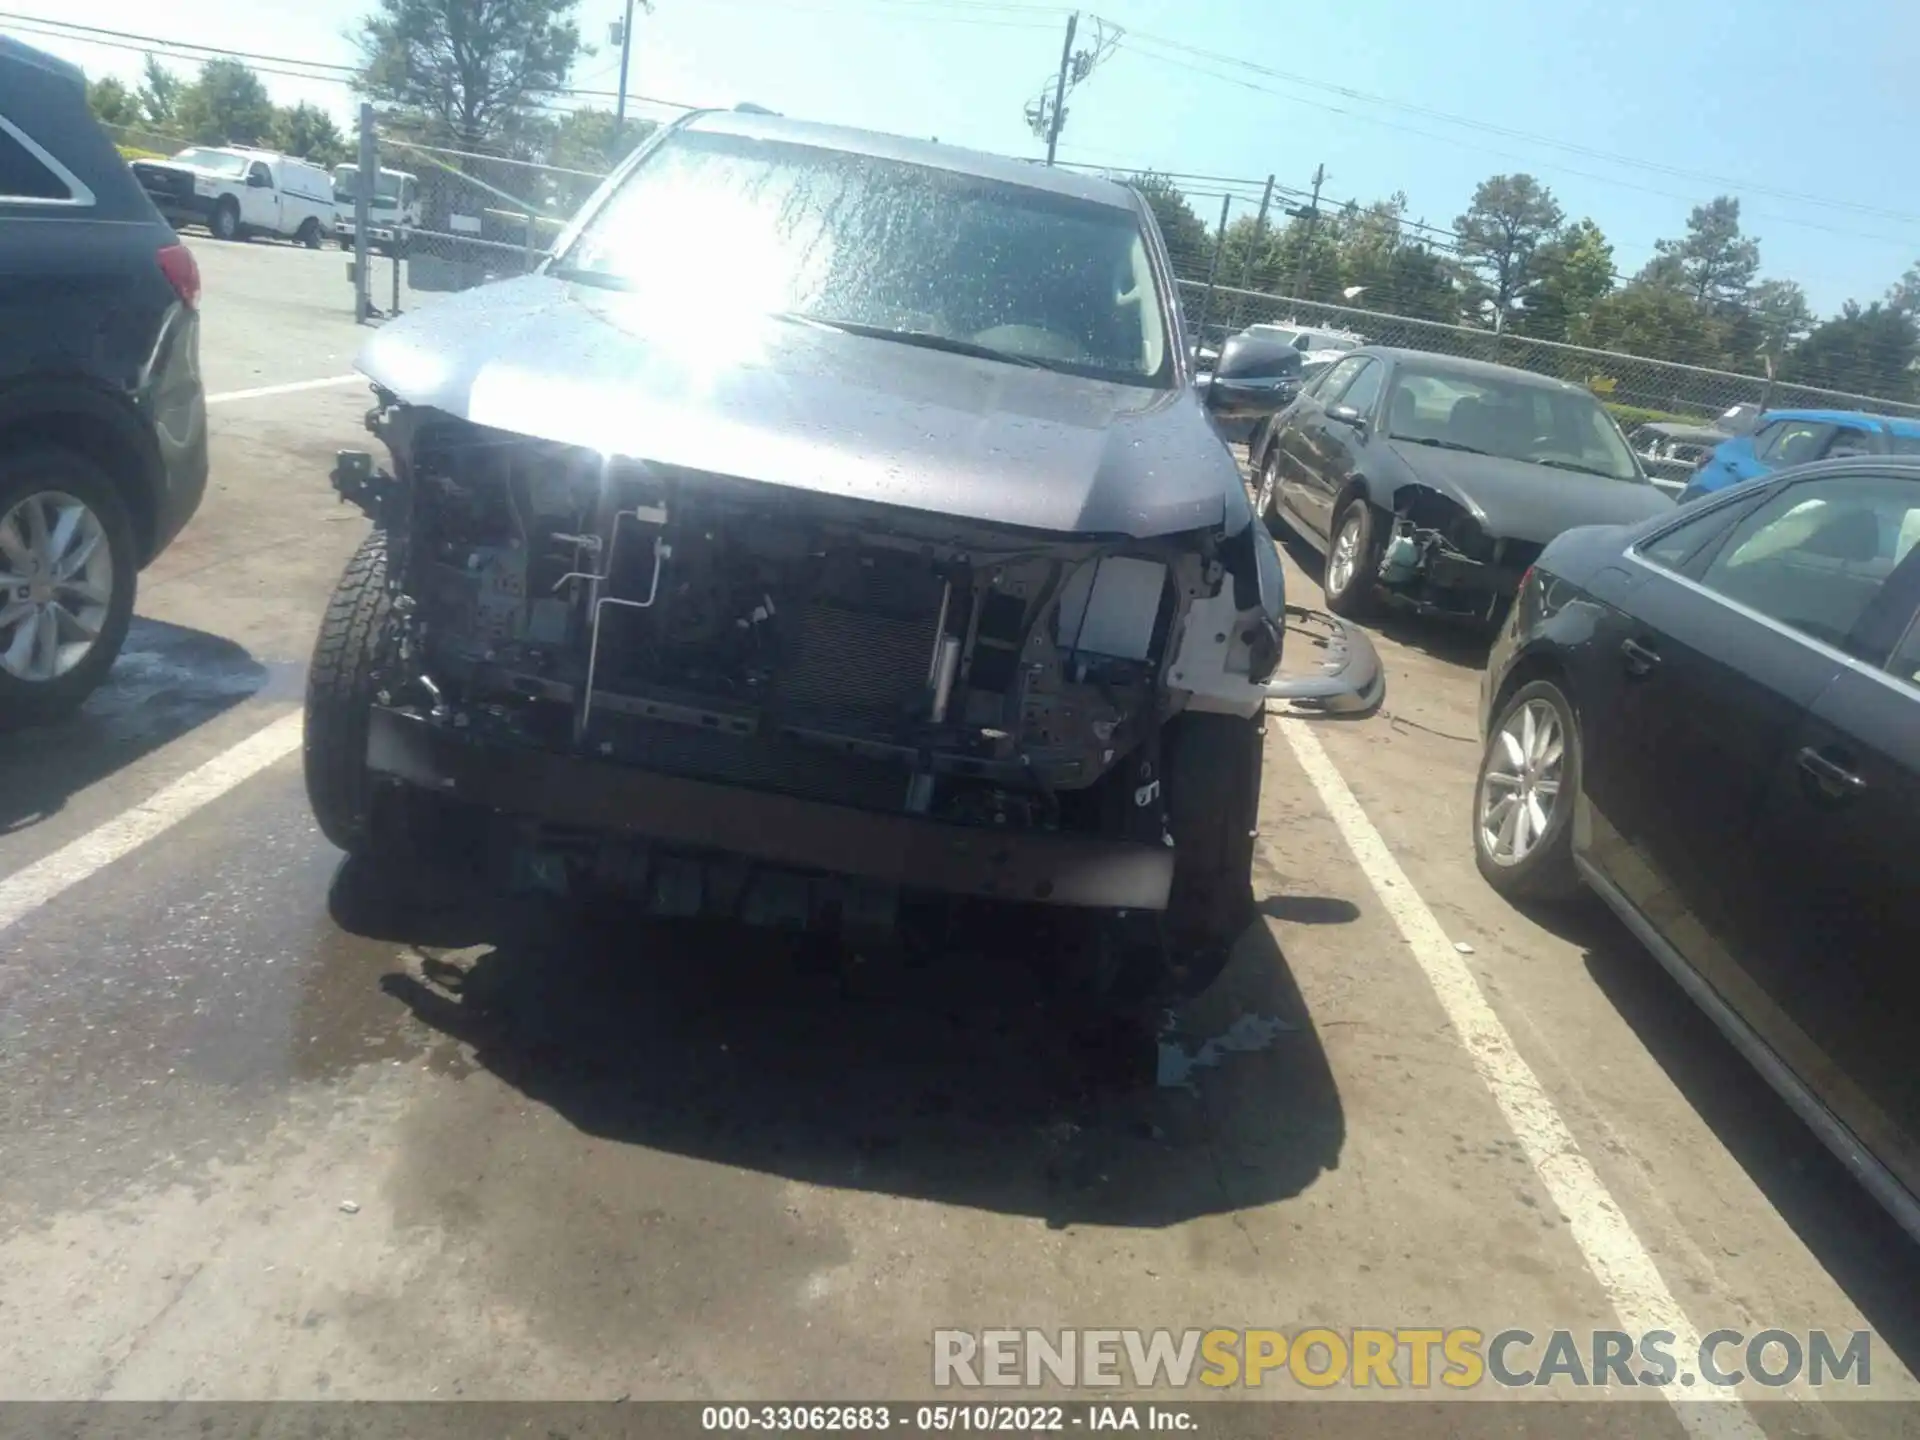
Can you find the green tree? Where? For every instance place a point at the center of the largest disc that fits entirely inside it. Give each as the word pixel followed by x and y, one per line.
pixel 1189 241
pixel 1714 263
pixel 470 71
pixel 309 132
pixel 1655 321
pixel 1572 272
pixel 587 140
pixel 1510 218
pixel 1870 352
pixel 1904 294
pixel 1781 315
pixel 225 105
pixel 159 94
pixel 112 102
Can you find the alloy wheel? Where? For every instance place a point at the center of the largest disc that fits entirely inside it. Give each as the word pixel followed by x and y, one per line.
pixel 1269 479
pixel 1520 786
pixel 1345 558
pixel 56 585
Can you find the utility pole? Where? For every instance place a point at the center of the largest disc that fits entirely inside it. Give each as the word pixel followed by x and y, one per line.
pixel 626 53
pixel 1213 271
pixel 1259 235
pixel 1060 87
pixel 1311 215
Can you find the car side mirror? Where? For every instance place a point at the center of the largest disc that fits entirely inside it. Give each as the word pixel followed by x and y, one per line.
pixel 1347 415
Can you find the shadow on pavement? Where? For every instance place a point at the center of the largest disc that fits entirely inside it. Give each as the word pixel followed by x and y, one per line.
pixel 1856 1241
pixel 168 680
pixel 1309 909
pixel 951 1074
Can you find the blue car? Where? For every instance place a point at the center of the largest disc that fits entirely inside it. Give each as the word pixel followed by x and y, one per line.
pixel 1793 437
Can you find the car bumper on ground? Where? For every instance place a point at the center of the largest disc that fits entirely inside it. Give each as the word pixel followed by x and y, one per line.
pixel 681 813
pixel 1346 678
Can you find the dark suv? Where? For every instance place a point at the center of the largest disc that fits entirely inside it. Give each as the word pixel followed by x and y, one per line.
pixel 912 567
pixel 103 427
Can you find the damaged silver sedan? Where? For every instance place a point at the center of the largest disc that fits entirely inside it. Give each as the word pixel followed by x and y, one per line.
pixel 830 525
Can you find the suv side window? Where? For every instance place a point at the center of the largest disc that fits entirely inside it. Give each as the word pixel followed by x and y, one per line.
pixel 1815 556
pixel 1363 391
pixel 259 175
pixel 23 174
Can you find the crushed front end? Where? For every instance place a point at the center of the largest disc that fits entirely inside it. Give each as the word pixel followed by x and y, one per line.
pixel 1439 557
pixel 742 697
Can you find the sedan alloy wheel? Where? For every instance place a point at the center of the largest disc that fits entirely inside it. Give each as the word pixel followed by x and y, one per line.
pixel 1520 793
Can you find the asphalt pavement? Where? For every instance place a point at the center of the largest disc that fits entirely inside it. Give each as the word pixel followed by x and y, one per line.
pixel 261 1143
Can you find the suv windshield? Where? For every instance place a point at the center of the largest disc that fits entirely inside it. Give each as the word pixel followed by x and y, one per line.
pixel 712 223
pixel 1566 429
pixel 217 161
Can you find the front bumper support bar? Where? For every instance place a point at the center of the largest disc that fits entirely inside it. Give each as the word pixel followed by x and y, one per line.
pixel 676 812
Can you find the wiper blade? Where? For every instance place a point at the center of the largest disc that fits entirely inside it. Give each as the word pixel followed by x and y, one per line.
pixel 925 339
pixel 601 278
pixel 1440 444
pixel 1579 469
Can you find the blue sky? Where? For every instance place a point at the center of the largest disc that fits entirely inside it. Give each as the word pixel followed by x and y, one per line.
pixel 1632 112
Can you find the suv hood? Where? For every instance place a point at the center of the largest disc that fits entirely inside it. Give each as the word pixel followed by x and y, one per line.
pixel 812 409
pixel 1518 500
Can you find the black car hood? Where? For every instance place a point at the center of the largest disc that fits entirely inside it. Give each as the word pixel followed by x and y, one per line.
pixel 1516 500
pixel 813 409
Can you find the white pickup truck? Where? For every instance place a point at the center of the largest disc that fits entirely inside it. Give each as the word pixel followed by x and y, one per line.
pixel 237 192
pixel 392 209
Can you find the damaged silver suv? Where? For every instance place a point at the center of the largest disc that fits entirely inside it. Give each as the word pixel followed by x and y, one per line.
pixel 830 525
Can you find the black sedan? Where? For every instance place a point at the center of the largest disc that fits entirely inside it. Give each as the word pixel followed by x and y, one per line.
pixel 1713 721
pixel 1439 479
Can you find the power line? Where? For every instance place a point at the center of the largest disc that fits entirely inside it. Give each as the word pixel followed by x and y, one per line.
pixel 1137 38
pixel 269 64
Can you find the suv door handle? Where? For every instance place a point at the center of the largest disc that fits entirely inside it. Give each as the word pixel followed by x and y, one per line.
pixel 1640 659
pixel 1834 779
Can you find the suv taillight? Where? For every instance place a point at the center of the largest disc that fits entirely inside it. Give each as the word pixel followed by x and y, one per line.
pixel 183 273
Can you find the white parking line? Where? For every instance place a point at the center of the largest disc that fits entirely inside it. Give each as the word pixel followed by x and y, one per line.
pixel 29 889
pixel 265 390
pixel 1612 1250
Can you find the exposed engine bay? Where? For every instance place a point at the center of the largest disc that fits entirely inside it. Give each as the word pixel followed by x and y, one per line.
pixel 729 631
pixel 1441 558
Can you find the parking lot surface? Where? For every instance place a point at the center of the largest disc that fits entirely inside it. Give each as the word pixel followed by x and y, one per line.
pixel 264 1145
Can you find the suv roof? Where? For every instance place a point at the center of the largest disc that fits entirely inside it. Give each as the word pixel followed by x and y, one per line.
pixel 1031 174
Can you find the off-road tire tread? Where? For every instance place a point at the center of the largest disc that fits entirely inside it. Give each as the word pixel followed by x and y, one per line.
pixel 340 688
pixel 1211 767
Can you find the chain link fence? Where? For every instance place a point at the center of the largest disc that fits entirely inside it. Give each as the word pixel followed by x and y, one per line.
pixel 453 219
pixel 1636 388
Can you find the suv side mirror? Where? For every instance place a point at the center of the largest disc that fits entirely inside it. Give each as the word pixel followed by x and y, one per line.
pixel 257 181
